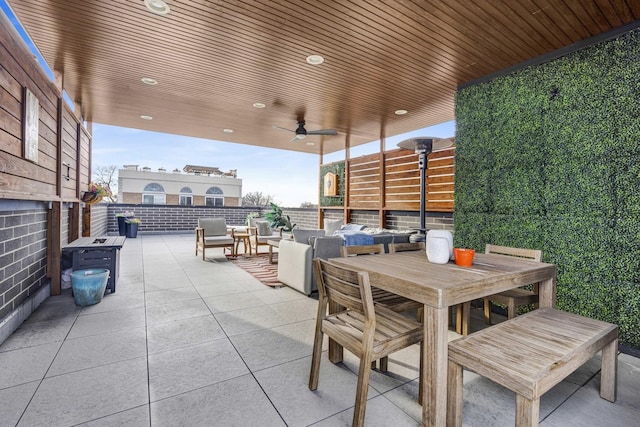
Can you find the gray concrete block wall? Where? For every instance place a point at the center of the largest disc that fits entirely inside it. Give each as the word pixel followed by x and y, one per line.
pixel 305 218
pixel 175 218
pixel 99 219
pixel 23 249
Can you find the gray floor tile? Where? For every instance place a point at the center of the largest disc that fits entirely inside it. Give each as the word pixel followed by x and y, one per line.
pixel 249 320
pixel 380 412
pixel 176 311
pixel 276 295
pixel 220 288
pixel 236 402
pixel 178 371
pixel 231 302
pixel 170 295
pixel 100 323
pixel 37 333
pixel 301 309
pixel 116 301
pixel 98 350
pixel 287 386
pixel 13 400
pixel 136 417
pixel 585 408
pixel 61 308
pixel 183 333
pixel 86 395
pixel 266 348
pixel 26 364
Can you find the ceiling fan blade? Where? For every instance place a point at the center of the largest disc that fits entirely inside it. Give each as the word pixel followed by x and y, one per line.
pixel 297 138
pixel 278 127
pixel 322 132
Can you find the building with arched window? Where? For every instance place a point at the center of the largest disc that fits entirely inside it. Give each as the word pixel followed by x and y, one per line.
pixel 198 187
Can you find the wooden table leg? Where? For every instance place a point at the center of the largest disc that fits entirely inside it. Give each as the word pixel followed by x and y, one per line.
pixel 547 293
pixel 270 254
pixel 435 353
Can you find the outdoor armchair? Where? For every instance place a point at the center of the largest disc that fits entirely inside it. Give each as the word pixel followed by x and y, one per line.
pixel 212 233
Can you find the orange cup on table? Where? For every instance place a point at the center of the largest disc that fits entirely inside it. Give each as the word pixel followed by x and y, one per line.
pixel 463 256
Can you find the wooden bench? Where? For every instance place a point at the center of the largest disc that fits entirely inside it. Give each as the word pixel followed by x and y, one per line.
pixel 529 355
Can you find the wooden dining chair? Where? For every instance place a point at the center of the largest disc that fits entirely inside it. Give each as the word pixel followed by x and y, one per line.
pixel 370 331
pixel 405 247
pixel 512 298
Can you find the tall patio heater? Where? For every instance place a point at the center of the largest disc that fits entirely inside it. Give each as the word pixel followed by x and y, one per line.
pixel 422 146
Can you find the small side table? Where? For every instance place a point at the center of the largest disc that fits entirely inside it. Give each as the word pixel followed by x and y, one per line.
pixel 271 244
pixel 244 238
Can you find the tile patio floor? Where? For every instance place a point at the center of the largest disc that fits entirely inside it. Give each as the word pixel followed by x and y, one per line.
pixel 184 342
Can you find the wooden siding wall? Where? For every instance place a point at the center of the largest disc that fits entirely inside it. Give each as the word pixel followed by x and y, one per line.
pixel 62 141
pixel 22 179
pixel 401 180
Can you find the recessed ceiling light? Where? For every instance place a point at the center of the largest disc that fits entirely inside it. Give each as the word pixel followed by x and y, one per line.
pixel 158 7
pixel 227 130
pixel 149 81
pixel 311 143
pixel 315 59
pixel 259 105
pixel 401 112
pixel 143 117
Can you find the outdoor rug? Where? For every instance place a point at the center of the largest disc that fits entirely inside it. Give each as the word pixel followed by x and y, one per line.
pixel 260 268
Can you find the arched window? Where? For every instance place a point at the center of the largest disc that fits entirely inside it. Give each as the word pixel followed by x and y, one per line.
pixel 214 197
pixel 153 194
pixel 186 196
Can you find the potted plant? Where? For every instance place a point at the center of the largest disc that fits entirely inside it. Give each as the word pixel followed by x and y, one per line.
pixel 122 224
pixel 95 193
pixel 132 227
pixel 278 219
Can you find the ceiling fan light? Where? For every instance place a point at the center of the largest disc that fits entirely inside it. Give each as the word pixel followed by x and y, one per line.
pixel 315 59
pixel 301 136
pixel 159 7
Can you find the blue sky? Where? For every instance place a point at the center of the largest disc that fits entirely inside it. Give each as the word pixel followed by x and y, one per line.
pixel 290 177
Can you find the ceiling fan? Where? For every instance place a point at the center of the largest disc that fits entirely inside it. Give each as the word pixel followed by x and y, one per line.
pixel 301 132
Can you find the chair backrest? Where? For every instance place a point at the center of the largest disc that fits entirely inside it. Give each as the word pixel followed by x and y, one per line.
pixel 362 250
pixel 327 246
pixel 303 236
pixel 348 288
pixel 405 247
pixel 532 254
pixel 213 226
pixel 263 228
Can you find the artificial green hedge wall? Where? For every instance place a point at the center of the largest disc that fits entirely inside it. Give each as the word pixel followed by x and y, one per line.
pixel 549 157
pixel 338 169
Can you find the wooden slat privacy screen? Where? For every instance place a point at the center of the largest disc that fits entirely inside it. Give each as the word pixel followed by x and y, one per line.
pixel 401 180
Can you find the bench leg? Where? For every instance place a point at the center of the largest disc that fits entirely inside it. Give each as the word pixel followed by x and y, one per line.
pixel 609 371
pixel 527 411
pixel 454 395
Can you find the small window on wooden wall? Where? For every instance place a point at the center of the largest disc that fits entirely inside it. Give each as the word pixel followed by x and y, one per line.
pixel 30 121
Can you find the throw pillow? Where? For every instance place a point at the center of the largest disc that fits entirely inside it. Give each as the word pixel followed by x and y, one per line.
pixel 263 228
pixel 332 225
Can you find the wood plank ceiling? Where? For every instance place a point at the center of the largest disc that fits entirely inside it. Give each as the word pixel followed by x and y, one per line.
pixel 214 59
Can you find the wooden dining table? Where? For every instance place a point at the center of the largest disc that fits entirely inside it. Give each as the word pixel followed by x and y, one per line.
pixel 438 287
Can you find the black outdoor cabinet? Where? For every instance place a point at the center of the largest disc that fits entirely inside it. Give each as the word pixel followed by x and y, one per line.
pixel 97 252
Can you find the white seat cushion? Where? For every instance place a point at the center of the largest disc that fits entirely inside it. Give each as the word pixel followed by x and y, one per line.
pixel 218 240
